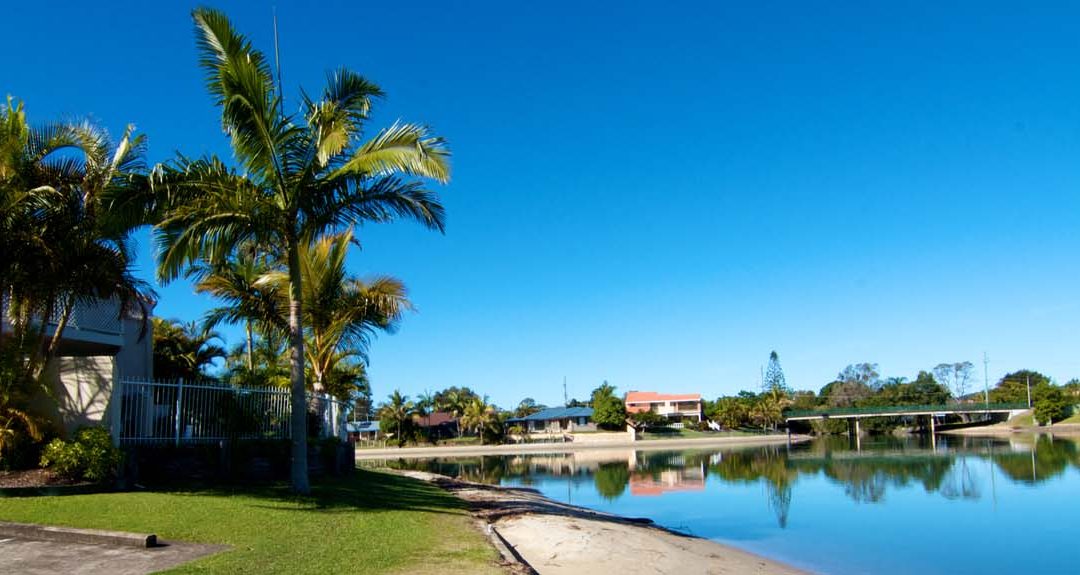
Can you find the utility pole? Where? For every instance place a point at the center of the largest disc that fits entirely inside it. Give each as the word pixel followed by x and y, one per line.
pixel 565 398
pixel 1029 391
pixel 986 380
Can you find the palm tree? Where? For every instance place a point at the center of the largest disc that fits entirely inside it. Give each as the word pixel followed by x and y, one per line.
pixel 342 313
pixel 478 415
pixel 299 178
pixel 248 299
pixel 397 410
pixel 70 199
pixel 184 350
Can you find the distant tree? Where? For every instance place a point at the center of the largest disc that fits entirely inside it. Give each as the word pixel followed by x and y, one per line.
pixel 577 403
pixel 774 376
pixel 955 376
pixel 396 416
pixel 767 410
pixel 845 393
pixel 478 415
pixel 804 400
pixel 1013 387
pixel 865 374
pixel 609 411
pixel 731 412
pixel 1071 389
pixel 646 419
pixel 527 407
pixel 1050 404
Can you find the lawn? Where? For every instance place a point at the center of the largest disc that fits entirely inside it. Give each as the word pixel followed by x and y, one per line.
pixel 693 434
pixel 370 523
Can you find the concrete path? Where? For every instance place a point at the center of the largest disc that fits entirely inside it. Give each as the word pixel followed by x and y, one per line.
pixel 35 557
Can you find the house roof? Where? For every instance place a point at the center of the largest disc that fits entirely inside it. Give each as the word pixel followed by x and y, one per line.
pixel 555 413
pixel 435 419
pixel 652 397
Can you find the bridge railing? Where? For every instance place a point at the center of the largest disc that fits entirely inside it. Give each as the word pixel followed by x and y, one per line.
pixel 901 409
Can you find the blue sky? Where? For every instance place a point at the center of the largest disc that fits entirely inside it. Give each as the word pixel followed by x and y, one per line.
pixel 660 193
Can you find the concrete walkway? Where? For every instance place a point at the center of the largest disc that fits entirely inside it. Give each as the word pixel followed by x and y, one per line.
pixel 36 557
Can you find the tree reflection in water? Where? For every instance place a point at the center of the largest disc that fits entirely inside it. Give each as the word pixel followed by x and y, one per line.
pixel 865 475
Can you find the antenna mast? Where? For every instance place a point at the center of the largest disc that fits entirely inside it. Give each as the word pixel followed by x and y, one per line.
pixel 277 62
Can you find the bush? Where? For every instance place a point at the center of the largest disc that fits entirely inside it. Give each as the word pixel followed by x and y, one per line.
pixel 91 456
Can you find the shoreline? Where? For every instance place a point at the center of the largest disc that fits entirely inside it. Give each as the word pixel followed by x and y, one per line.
pixel 518 448
pixel 550 537
pixel 1004 430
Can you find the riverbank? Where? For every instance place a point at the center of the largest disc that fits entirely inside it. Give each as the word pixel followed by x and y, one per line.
pixel 1006 429
pixel 513 449
pixel 556 538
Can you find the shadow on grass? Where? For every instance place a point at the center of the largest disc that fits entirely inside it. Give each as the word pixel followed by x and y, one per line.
pixel 364 491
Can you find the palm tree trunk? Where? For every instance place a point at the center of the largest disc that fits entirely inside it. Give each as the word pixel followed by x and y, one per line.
pixel 250 349
pixel 298 423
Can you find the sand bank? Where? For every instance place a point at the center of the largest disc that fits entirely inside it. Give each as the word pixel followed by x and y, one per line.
pixel 555 538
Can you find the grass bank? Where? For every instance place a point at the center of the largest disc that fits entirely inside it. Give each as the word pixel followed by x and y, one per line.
pixel 370 523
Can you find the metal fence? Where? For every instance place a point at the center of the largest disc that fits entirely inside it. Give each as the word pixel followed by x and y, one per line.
pixel 179 413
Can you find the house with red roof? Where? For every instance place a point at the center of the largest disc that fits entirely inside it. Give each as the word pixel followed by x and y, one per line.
pixel 674 406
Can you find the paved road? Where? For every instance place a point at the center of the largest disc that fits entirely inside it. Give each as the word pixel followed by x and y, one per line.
pixel 32 557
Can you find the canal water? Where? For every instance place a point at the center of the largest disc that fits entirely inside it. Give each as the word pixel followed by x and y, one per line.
pixel 964 505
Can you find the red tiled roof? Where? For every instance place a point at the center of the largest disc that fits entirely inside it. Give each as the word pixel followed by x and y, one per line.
pixel 652 397
pixel 435 419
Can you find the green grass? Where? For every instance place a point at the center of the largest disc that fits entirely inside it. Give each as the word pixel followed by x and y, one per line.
pixel 1023 420
pixel 370 523
pixel 692 434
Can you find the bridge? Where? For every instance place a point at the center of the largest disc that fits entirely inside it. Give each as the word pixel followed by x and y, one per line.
pixel 854 414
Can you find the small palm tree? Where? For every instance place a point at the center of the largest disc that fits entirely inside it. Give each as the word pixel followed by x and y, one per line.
pixel 299 179
pixel 184 350
pixel 397 410
pixel 478 415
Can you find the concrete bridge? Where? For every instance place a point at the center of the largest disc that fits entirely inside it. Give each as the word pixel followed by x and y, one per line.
pixel 854 414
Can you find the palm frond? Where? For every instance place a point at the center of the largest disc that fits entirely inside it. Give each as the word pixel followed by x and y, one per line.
pixel 401 149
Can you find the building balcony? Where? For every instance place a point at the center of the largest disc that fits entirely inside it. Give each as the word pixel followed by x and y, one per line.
pixel 92 329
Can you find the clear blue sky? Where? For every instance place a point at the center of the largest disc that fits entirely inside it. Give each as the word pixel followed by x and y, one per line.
pixel 658 194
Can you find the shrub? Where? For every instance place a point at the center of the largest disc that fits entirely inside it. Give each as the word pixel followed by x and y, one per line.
pixel 91 456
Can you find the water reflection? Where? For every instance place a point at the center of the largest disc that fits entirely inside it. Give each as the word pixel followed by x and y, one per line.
pixel 866 476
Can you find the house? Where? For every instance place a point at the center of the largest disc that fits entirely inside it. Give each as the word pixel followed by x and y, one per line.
pixel 362 430
pixel 98 346
pixel 675 407
pixel 557 419
pixel 439 424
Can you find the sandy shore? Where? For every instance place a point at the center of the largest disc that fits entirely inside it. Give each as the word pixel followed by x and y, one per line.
pixel 555 538
pixel 1004 429
pixel 644 445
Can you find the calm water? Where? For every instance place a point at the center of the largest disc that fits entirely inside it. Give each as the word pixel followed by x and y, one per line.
pixel 972 505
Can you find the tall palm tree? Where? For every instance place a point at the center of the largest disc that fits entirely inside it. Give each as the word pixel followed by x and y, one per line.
pixel 299 178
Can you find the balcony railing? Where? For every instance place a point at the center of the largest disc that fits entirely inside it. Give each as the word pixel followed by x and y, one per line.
pixel 100 317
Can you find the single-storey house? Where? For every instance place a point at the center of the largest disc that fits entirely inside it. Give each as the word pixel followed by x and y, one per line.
pixel 362 430
pixel 439 424
pixel 556 419
pixel 675 407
